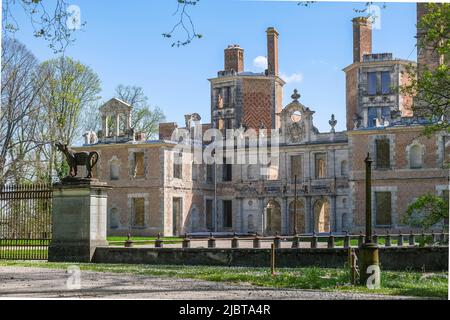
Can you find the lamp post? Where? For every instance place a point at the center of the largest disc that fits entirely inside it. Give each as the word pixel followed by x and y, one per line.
pixel 369 250
pixel 295 205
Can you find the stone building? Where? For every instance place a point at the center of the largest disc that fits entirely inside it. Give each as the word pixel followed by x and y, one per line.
pixel 315 183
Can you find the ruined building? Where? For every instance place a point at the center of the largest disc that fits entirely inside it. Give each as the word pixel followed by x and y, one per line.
pixel 153 192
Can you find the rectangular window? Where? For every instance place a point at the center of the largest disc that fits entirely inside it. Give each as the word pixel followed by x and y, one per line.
pixel 385 82
pixel 372 83
pixel 383 209
pixel 227 171
pixel 177 166
pixel 383 154
pixel 296 167
pixel 138 212
pixel 227 214
pixel 372 115
pixel 227 97
pixel 138 171
pixel 177 213
pixel 209 215
pixel 114 171
pixel 320 166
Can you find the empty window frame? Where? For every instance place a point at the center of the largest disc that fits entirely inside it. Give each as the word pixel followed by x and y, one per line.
pixel 320 165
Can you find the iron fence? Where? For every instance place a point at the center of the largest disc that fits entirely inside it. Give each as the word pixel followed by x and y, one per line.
pixel 25 221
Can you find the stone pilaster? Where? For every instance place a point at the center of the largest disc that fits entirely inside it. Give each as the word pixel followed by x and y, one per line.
pixel 79 220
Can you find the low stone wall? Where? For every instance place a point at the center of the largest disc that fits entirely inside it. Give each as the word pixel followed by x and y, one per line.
pixel 429 258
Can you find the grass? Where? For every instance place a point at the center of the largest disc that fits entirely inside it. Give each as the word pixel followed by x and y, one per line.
pixel 120 241
pixel 405 283
pixel 24 254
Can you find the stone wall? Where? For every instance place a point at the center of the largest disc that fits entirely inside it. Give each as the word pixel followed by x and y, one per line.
pixel 428 259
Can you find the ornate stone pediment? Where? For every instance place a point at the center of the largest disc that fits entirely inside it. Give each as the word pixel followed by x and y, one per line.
pixel 296 131
pixel 296 121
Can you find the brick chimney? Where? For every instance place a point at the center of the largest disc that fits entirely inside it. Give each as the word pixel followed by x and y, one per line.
pixel 362 38
pixel 272 51
pixel 234 58
pixel 166 129
pixel 426 55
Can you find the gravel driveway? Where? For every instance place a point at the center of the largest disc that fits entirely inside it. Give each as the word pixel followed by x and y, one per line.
pixel 30 282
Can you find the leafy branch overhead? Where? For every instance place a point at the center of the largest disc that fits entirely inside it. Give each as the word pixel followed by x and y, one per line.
pixel 56 24
pixel 184 24
pixel 430 84
pixel 143 119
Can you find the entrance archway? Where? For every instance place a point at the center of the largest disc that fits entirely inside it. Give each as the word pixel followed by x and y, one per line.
pixel 273 218
pixel 297 219
pixel 322 216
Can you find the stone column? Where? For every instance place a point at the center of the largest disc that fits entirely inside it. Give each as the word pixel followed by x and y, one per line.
pixel 261 218
pixel 79 220
pixel 333 215
pixel 309 215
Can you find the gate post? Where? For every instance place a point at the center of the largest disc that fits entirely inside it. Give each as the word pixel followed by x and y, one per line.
pixel 79 220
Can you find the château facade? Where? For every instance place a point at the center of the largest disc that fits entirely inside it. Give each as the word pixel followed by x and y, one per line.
pixel 317 181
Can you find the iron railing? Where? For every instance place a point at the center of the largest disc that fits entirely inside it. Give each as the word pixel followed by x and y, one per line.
pixel 25 221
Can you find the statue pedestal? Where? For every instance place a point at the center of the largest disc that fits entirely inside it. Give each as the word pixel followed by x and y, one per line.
pixel 79 220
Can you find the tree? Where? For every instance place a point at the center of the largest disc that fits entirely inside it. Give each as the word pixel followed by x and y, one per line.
pixel 70 88
pixel 56 24
pixel 185 24
pixel 143 119
pixel 22 82
pixel 427 211
pixel 431 84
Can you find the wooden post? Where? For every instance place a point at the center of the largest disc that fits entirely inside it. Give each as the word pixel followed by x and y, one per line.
pixel 186 241
pixel 347 241
pixel 272 259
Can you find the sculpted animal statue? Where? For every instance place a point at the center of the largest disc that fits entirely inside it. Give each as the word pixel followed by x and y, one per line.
pixel 74 159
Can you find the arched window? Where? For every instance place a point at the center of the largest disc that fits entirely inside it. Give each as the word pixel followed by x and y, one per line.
pixel 322 216
pixel 273 218
pixel 114 170
pixel 297 217
pixel 415 157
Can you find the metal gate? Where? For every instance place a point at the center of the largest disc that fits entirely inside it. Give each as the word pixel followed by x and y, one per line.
pixel 25 221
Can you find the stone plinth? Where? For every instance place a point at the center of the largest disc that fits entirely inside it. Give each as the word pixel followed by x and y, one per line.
pixel 79 220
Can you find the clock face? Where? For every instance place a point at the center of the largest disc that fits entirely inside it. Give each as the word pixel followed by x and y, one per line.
pixel 296 116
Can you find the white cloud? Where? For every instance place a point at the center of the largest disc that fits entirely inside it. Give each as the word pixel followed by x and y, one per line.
pixel 295 77
pixel 260 62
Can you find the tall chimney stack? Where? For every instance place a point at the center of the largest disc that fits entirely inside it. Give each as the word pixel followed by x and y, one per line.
pixel 272 51
pixel 427 56
pixel 362 38
pixel 234 58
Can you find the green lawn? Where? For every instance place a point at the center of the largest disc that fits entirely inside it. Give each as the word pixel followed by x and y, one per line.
pixel 392 283
pixel 120 241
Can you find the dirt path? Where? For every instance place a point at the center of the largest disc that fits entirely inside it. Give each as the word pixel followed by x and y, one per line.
pixel 51 283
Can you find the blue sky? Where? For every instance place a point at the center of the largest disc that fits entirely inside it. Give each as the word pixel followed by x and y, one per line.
pixel 122 43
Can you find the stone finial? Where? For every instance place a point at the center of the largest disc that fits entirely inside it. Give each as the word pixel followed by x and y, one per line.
pixel 333 123
pixel 296 95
